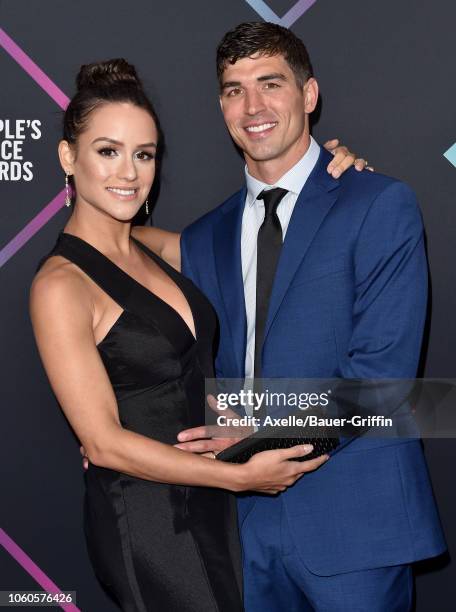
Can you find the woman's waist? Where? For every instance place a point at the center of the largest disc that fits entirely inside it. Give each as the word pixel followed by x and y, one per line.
pixel 164 410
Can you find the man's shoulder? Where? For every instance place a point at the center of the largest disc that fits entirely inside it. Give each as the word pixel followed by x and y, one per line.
pixel 369 183
pixel 378 203
pixel 359 190
pixel 208 220
pixel 366 189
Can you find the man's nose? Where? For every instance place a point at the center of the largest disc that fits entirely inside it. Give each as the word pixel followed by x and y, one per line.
pixel 253 102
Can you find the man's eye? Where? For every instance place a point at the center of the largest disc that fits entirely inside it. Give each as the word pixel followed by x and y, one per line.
pixel 107 152
pixel 144 156
pixel 271 85
pixel 234 92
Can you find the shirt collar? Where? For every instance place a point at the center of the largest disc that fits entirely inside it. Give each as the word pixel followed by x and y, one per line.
pixel 293 180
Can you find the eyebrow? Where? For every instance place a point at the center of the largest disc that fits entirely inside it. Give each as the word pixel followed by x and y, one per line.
pixel 117 142
pixel 272 76
pixel 266 77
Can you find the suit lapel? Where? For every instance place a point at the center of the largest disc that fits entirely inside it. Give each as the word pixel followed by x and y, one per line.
pixel 227 249
pixel 313 204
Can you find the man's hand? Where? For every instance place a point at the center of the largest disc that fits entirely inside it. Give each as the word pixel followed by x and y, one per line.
pixel 343 159
pixel 212 438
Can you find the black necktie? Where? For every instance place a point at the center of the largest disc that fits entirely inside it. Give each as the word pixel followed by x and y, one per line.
pixel 269 245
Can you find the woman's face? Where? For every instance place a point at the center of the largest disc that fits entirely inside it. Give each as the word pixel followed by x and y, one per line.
pixel 113 162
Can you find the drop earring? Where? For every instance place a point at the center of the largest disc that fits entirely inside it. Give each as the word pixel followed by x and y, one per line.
pixel 147 206
pixel 67 191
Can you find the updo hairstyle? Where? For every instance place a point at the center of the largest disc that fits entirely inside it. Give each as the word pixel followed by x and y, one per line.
pixel 113 80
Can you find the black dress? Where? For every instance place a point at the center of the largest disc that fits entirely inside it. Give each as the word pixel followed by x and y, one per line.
pixel 157 547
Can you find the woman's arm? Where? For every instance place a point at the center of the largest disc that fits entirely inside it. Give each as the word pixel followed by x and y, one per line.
pixel 62 316
pixel 165 244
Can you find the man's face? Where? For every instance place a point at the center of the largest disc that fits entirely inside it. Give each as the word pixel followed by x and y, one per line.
pixel 266 112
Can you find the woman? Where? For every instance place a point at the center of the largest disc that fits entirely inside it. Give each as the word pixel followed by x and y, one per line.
pixel 127 343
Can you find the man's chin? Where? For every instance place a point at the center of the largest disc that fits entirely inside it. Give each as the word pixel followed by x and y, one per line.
pixel 262 154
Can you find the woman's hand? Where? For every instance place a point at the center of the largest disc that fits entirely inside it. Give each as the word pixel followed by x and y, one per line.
pixel 271 471
pixel 343 159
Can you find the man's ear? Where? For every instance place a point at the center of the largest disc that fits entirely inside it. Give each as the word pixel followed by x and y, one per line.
pixel 310 92
pixel 66 156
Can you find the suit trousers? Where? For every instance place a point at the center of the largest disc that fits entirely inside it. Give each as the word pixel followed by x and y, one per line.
pixel 276 579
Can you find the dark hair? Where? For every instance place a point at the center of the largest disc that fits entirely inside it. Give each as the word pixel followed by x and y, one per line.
pixel 113 80
pixel 267 39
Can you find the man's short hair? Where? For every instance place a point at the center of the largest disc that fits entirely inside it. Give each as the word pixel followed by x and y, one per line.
pixel 268 39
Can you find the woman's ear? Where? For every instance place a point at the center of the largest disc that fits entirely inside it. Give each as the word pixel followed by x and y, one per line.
pixel 66 156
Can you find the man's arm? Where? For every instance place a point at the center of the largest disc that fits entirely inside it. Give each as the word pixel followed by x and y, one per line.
pixel 391 289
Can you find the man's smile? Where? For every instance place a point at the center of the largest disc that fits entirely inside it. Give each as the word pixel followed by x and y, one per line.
pixel 260 129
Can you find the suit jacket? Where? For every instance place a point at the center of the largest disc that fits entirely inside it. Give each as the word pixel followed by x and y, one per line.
pixel 348 301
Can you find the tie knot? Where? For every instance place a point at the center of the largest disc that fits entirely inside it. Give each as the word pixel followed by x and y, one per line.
pixel 271 199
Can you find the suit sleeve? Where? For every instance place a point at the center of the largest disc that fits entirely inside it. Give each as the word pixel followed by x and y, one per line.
pixel 390 289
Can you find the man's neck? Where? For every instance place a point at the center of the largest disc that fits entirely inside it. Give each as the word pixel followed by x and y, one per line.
pixel 271 170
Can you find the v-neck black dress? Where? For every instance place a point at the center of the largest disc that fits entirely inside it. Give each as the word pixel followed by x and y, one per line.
pixel 157 547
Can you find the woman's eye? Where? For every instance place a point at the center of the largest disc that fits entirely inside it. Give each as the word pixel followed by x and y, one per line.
pixel 107 152
pixel 144 156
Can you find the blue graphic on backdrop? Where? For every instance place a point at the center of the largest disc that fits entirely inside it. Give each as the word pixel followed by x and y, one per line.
pixel 451 155
pixel 296 11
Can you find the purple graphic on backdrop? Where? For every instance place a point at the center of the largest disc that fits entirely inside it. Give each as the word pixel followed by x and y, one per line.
pixel 8 251
pixel 32 227
pixel 35 72
pixel 32 569
pixel 296 11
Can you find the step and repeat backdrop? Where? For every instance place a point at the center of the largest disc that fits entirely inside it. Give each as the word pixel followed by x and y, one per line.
pixel 386 72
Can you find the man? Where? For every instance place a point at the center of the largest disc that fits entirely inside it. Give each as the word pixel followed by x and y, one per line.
pixel 343 297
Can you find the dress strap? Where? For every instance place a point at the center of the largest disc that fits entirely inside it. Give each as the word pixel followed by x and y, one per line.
pixel 120 286
pixel 98 267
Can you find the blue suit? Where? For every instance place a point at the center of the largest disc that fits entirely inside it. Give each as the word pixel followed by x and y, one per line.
pixel 349 301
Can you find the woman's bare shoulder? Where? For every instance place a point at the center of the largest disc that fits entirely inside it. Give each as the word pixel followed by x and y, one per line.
pixel 59 286
pixel 162 242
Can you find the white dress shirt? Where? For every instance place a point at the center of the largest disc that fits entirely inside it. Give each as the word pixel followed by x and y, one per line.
pixel 293 181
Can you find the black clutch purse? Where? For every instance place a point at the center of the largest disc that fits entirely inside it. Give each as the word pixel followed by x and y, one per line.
pixel 270 438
